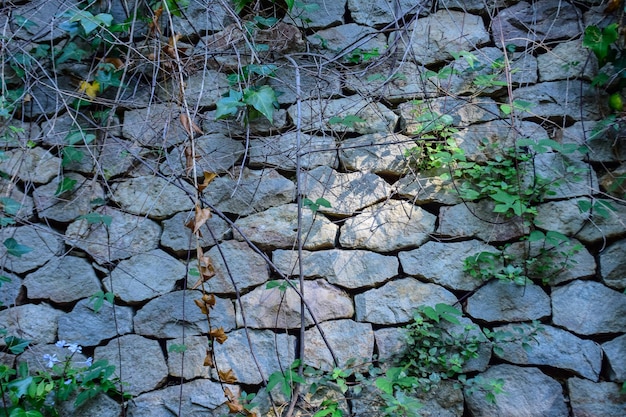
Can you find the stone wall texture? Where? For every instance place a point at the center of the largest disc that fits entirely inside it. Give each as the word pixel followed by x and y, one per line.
pixel 392 239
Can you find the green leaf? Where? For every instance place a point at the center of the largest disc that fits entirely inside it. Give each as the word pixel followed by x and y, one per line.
pixel 76 136
pixel 229 105
pixel 95 218
pixel 66 184
pixel 10 206
pixel 20 412
pixel 16 249
pixel 536 235
pixel 71 155
pixel 262 99
pixel 72 51
pixel 16 345
pixel 177 348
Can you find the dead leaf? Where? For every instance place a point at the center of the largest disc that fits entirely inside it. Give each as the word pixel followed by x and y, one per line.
pixel 91 89
pixel 218 335
pixel 154 25
pixel 202 306
pixel 116 62
pixel 208 177
pixel 234 407
pixel 612 6
pixel 208 359
pixel 228 377
pixel 209 300
pixel 173 39
pixel 202 215
pixel 189 125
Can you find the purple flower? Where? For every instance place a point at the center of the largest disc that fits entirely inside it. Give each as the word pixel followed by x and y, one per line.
pixel 51 359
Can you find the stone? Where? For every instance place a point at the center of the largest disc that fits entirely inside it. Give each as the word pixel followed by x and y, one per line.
pixel 348 340
pixel 85 326
pixel 16 205
pixel 442 263
pixel 139 362
pixel 157 126
pixel 190 364
pixel 346 268
pixel 396 301
pixel 277 227
pixel 17 134
pixel 145 276
pixel 9 290
pixel 435 37
pixel 276 308
pixel 253 192
pixel 34 165
pixel 390 344
pixel 178 238
pixel 613 265
pixel 383 154
pixel 506 301
pixel 552 347
pixel 570 217
pixel 63 280
pixel 567 60
pixel 214 153
pixel 463 113
pixel 373 13
pixel 234 261
pixel 274 352
pixel 101 406
pixel 34 356
pixel 31 247
pixel 387 227
pixel 479 220
pixel 528 25
pixel 595 140
pixel 589 398
pixel 469 329
pixel 281 151
pixel 175 313
pixel 56 130
pixel 318 14
pixel 338 116
pixel 598 309
pixel 428 186
pixel 615 353
pixel 201 17
pixel 200 397
pixel 317 82
pixel 528 392
pixel 153 196
pixel 69 205
pixel 336 41
pixel 614 182
pixel 347 193
pixel 45 17
pixel 25 322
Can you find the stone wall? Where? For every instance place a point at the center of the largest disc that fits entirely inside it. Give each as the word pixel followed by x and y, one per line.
pixel 394 238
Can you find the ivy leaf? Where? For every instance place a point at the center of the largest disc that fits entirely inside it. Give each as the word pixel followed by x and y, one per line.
pixel 90 89
pixel 262 99
pixel 16 345
pixel 66 184
pixel 72 51
pixel 10 206
pixel 95 218
pixel 229 106
pixel 227 377
pixel 16 249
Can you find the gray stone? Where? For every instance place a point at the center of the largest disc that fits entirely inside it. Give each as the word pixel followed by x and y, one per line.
pixel 330 115
pixel 175 313
pixel 190 364
pixel 69 205
pixel 527 392
pixel 383 154
pixel 479 220
pixel 26 322
pixel 433 38
pixel 595 398
pixel 469 329
pixel 598 309
pixel 45 95
pixel 552 347
pixel 145 276
pixel 336 41
pixel 34 356
pixel 390 344
pixel 12 196
pixel 388 226
pixel 614 182
pixel 463 112
pixel 566 217
pixel 506 301
pixel 178 237
pixel 197 398
pixel 595 141
pixel 254 191
pixel 277 227
pixel 153 196
pixel 42 242
pixel 372 13
pixel 214 153
pixel 396 301
pixel 44 17
pixel 85 326
pixel 281 151
pixel 561 100
pixel 156 126
pixel 615 353
pixel 9 291
pixel 101 405
pixel 317 14
pixel 528 25
pixel 567 60
pixel 234 261
pixel 126 236
pixel 613 265
pixel 429 186
pixel 346 268
pixel 319 82
pixel 277 309
pixel 140 362
pixel 62 280
pixel 56 129
pixel 347 193
pixel 348 340
pixel 200 17
pixel 274 352
pixel 18 134
pixel 442 263
pixel 32 165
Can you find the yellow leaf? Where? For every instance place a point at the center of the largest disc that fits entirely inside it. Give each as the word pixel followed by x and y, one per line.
pixel 91 89
pixel 208 177
pixel 227 377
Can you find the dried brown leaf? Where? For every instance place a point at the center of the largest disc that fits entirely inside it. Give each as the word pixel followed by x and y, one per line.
pixel 116 62
pixel 209 300
pixel 218 335
pixel 202 306
pixel 228 377
pixel 208 359
pixel 234 407
pixel 208 177
pixel 189 125
pixel 202 215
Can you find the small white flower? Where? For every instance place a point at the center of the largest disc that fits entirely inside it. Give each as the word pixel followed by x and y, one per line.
pixel 74 348
pixel 51 359
pixel 61 343
pixel 89 361
pixel 68 381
